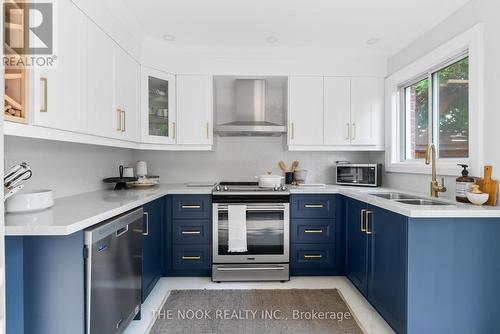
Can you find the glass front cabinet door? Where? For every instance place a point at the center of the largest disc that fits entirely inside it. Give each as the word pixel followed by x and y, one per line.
pixel 158 107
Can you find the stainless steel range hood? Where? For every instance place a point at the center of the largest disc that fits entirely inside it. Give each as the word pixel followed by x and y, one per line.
pixel 249 116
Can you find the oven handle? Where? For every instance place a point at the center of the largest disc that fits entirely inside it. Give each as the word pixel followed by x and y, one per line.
pixel 256 207
pixel 250 268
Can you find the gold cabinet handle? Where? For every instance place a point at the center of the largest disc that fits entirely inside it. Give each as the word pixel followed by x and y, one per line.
pixel 207 130
pixel 119 120
pixel 314 206
pixel 191 258
pixel 318 256
pixel 191 232
pixel 353 131
pixel 190 206
pixel 363 227
pixel 124 121
pixel 45 107
pixel 313 231
pixel 293 130
pixel 348 132
pixel 174 130
pixel 367 218
pixel 147 224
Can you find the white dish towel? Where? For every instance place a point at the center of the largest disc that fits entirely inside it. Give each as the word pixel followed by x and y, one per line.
pixel 237 229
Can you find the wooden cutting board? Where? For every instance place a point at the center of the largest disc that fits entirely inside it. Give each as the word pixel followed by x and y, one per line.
pixel 489 186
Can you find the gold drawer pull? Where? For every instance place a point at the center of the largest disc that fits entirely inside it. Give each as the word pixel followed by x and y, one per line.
pixel 318 256
pixel 313 231
pixel 367 219
pixel 363 228
pixel 191 232
pixel 314 206
pixel 119 121
pixel 189 206
pixel 191 258
pixel 45 82
pixel 124 120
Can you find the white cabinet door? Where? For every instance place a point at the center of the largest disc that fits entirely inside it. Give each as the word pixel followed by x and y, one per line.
pixel 60 93
pixel 103 112
pixel 367 116
pixel 127 95
pixel 305 121
pixel 194 109
pixel 157 107
pixel 337 91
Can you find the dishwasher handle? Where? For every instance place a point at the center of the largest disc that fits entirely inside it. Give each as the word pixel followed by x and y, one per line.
pixel 121 231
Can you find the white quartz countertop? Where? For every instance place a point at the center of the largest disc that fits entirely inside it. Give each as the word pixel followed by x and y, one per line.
pixel 75 213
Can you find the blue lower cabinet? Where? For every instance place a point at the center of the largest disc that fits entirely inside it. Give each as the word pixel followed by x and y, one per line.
pixel 312 256
pixel 387 237
pixel 191 231
pixel 312 231
pixel 191 206
pixel 152 245
pixel 312 206
pixel 191 257
pixel 45 284
pixel 356 263
pixel 188 235
pixel 376 259
pixel 315 242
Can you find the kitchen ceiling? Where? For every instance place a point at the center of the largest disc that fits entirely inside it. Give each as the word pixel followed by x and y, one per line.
pixel 381 25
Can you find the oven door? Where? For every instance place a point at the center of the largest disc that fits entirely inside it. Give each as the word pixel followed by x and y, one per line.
pixel 267 233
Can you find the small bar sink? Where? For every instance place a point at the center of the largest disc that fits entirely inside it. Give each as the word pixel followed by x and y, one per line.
pixel 421 201
pixel 394 196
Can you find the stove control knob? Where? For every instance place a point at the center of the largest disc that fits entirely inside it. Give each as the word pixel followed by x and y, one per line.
pixel 276 188
pixel 217 188
pixel 283 188
pixel 226 188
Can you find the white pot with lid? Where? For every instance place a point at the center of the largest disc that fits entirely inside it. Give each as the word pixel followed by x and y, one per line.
pixel 269 180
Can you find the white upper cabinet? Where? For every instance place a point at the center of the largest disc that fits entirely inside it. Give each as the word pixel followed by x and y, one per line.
pixel 337 126
pixel 367 113
pixel 194 109
pixel 305 111
pixel 60 94
pixel 103 112
pixel 336 113
pixel 127 72
pixel 157 107
pixel 113 87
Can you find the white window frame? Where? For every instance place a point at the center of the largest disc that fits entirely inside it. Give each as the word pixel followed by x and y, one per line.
pixel 468 43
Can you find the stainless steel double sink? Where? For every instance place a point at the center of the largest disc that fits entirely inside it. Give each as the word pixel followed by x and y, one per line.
pixel 408 199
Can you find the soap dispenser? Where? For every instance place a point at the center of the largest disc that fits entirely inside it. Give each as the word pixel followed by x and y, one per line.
pixel 464 185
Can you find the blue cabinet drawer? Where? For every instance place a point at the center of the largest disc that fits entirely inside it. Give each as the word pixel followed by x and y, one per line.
pixel 310 231
pixel 312 206
pixel 312 256
pixel 187 257
pixel 191 206
pixel 191 231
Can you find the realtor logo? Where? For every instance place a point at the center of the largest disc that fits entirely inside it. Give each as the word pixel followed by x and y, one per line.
pixel 29 34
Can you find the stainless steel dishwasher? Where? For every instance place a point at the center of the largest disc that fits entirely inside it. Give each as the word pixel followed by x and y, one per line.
pixel 113 273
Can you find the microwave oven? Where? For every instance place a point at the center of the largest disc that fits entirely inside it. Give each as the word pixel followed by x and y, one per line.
pixel 366 175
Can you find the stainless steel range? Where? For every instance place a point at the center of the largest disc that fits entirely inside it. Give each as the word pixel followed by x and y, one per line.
pixel 250 232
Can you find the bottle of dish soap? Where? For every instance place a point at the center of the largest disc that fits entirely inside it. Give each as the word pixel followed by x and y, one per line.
pixel 464 185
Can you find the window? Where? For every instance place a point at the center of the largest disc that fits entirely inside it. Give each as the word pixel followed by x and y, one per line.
pixel 436 110
pixel 438 98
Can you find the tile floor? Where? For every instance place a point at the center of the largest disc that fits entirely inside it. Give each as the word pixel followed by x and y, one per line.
pixel 371 321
